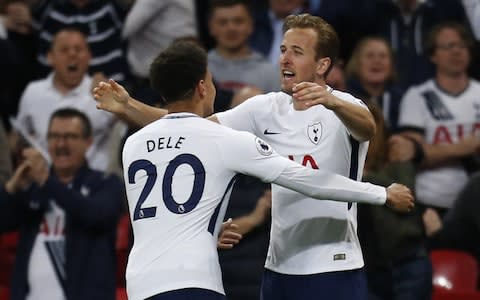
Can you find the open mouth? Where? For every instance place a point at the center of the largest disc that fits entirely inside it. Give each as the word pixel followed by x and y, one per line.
pixel 288 74
pixel 72 67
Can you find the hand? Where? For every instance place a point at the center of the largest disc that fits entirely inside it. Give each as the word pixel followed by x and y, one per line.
pixel 38 166
pixel 19 180
pixel 307 94
pixel 400 148
pixel 399 198
pixel 431 221
pixel 111 97
pixel 228 237
pixel 97 77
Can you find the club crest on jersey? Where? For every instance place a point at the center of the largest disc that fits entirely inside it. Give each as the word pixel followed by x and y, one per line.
pixel 314 132
pixel 263 147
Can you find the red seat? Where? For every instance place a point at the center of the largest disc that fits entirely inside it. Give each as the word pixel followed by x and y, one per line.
pixel 8 247
pixel 121 294
pixel 122 248
pixel 4 293
pixel 455 275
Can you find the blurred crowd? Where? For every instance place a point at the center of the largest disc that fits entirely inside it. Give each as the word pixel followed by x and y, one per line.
pixel 415 63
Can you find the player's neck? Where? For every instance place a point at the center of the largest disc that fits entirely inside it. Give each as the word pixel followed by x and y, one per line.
pixel 189 106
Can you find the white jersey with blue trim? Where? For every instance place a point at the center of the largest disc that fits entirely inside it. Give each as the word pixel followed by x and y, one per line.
pixel 307 236
pixel 179 173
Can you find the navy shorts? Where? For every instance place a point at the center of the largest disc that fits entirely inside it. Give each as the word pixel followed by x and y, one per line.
pixel 189 294
pixel 341 285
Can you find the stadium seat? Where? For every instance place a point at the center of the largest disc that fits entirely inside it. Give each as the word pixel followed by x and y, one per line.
pixel 4 293
pixel 8 247
pixel 122 248
pixel 455 275
pixel 121 294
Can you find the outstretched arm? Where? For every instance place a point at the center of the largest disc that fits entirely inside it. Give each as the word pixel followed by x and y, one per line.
pixel 113 97
pixel 357 119
pixel 340 188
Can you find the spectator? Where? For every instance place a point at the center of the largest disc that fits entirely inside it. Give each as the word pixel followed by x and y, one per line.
pixel 150 26
pixel 5 156
pixel 443 114
pixel 268 33
pixel 394 244
pixel 337 78
pixel 67 86
pixel 18 50
pixel 405 24
pixel 371 77
pixel 100 21
pixel 67 218
pixel 472 9
pixel 233 64
pixel 460 227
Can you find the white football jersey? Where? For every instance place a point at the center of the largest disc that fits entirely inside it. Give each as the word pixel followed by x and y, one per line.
pixel 307 236
pixel 179 173
pixel 442 118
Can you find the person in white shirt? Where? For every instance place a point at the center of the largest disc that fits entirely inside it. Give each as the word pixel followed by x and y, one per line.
pixel 443 115
pixel 313 125
pixel 68 85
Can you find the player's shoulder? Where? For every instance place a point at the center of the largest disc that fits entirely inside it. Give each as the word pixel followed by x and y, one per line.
pixel 270 101
pixel 269 97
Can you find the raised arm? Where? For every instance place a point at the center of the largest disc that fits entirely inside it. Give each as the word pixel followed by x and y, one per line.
pixel 357 119
pixel 113 97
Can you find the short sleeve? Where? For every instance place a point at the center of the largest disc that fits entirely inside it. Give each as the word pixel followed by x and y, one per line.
pixel 411 110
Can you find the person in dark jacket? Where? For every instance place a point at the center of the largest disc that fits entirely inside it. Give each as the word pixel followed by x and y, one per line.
pixel 66 215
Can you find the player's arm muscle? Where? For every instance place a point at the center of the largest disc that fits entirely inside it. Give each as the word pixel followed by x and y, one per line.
pixel 357 119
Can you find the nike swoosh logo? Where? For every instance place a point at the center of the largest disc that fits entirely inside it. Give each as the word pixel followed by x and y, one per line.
pixel 269 132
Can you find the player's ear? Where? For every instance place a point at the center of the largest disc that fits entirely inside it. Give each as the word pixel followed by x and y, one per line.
pixel 322 65
pixel 202 88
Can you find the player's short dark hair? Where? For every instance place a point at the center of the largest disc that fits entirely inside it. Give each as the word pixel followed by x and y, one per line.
pixel 177 70
pixel 214 4
pixel 431 41
pixel 67 113
pixel 328 43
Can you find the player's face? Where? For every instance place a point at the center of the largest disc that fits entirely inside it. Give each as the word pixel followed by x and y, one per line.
pixel 451 55
pixel 67 144
pixel 231 27
pixel 374 65
pixel 69 58
pixel 297 58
